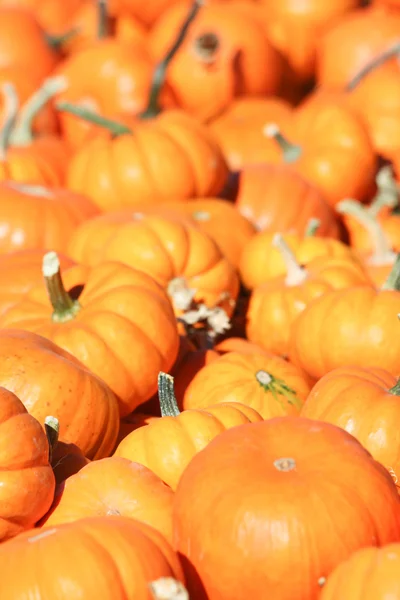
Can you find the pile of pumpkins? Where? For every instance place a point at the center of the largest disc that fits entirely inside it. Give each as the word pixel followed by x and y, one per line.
pixel 199 299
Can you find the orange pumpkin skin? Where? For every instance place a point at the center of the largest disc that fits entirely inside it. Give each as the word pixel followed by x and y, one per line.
pixel 34 55
pixel 261 261
pixel 20 271
pixel 224 498
pixel 33 217
pixel 171 157
pixel 124 557
pixel 114 486
pixel 146 13
pixel 236 344
pixel 239 377
pixel 275 305
pixel 115 300
pixel 351 43
pixel 165 248
pixel 359 400
pixel 32 367
pixel 54 17
pixel 361 326
pixel 239 130
pixel 259 199
pixel 66 460
pixel 225 54
pixel 27 482
pixel 167 445
pixel 368 574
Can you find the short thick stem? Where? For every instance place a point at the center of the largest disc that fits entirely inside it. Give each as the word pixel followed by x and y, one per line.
pixel 102 19
pixel 166 396
pixel 291 152
pixel 383 253
pixel 168 588
pixel 52 429
pixel 393 281
pixel 113 127
pixel 388 191
pixel 395 390
pixel 64 307
pixel 312 227
pixel 295 274
pixel 11 107
pixel 153 106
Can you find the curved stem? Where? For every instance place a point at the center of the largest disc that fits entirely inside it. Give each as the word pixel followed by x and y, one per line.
pixel 153 107
pixel 295 274
pixel 291 152
pixel 278 388
pixel 168 588
pixel 52 429
pixel 388 191
pixel 22 134
pixel 83 113
pixel 393 281
pixel 102 19
pixel 374 64
pixel 65 308
pixel 11 107
pixel 312 227
pixel 395 390
pixel 166 396
pixel 382 250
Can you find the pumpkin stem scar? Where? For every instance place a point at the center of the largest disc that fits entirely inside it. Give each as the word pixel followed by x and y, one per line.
pixel 278 388
pixel 377 62
pixel 312 227
pixel 295 274
pixel 153 106
pixel 206 47
pixel 65 308
pixel 393 281
pixel 383 254
pixel 52 429
pixel 166 396
pixel 85 114
pixel 285 464
pixel 168 588
pixel 10 111
pixel 291 152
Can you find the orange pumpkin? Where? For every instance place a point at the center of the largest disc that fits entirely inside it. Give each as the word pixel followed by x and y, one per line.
pixel 365 403
pixel 176 254
pixel 356 326
pixel 96 315
pixel 52 15
pixel 368 574
pixel 265 382
pixel 225 54
pixel 167 445
pixel 259 199
pixel 125 557
pixel 275 305
pixel 27 482
pixel 114 486
pixel 32 368
pixel 265 489
pixel 261 261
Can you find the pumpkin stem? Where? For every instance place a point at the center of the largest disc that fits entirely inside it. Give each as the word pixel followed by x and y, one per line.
pixel 65 308
pixel 11 107
pixel 291 152
pixel 278 388
pixel 312 227
pixel 388 191
pixel 295 274
pixel 52 429
pixel 393 280
pixel 395 390
pixel 57 41
pixel 168 588
pixel 113 127
pixel 383 253
pixel 166 396
pixel 374 64
pixel 22 134
pixel 153 106
pixel 102 19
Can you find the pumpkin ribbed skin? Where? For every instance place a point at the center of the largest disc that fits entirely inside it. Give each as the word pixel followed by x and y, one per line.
pixel 118 557
pixel 295 494
pixel 26 478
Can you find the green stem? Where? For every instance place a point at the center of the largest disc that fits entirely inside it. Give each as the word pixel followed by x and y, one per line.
pixel 395 390
pixel 312 227
pixel 295 274
pixel 65 308
pixel 52 429
pixel 83 113
pixel 277 387
pixel 393 280
pixel 382 250
pixel 153 107
pixel 374 64
pixel 22 134
pixel 291 152
pixel 11 107
pixel 57 41
pixel 166 396
pixel 102 19
pixel 388 191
